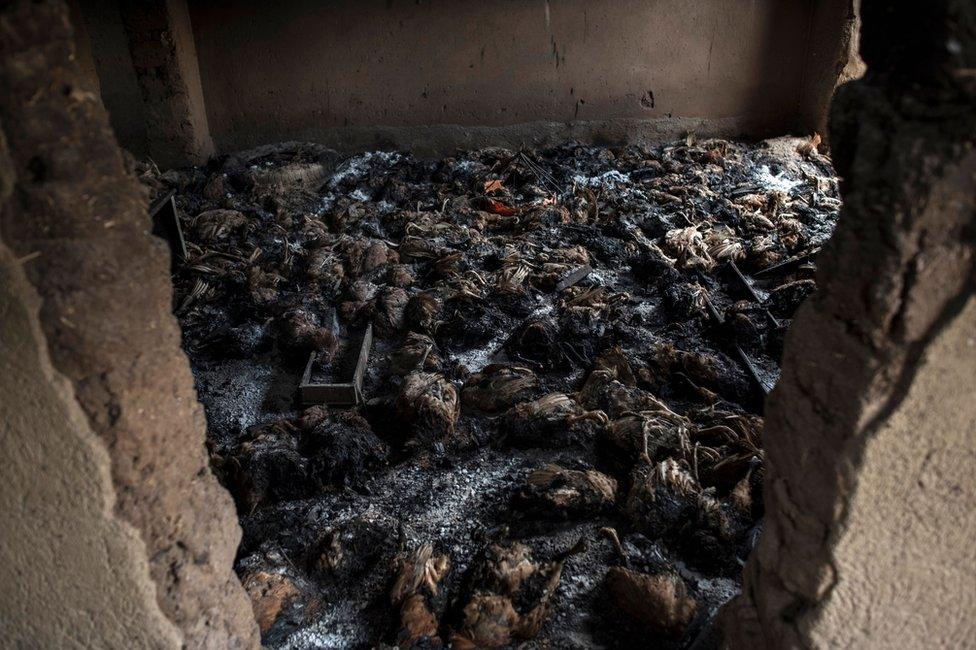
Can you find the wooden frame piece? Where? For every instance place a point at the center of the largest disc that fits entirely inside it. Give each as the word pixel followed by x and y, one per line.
pixel 166 223
pixel 344 394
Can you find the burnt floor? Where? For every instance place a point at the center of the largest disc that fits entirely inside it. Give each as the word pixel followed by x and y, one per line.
pixel 571 349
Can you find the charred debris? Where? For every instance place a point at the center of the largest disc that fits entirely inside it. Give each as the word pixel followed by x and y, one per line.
pixel 555 436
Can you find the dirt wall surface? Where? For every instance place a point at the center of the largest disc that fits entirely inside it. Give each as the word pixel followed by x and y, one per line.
pixel 909 548
pixel 165 64
pixel 100 23
pixel 435 75
pixel 90 587
pixel 879 487
pixel 106 316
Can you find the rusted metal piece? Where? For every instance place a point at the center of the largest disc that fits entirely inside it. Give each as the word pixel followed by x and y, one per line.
pixel 574 276
pixel 166 223
pixel 337 394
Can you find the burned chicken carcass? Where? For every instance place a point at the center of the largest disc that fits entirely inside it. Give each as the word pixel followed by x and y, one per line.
pixel 266 467
pixel 349 549
pixel 388 311
pixel 304 332
pixel 213 225
pixel 323 266
pixel 271 595
pixel 554 492
pixel 416 353
pixel 498 387
pixel 295 457
pixel 551 421
pixel 417 593
pixel 428 403
pixel 422 313
pixel 660 602
pixel 643 436
pixel 342 449
pixel 509 598
pixel 662 498
pixel 363 256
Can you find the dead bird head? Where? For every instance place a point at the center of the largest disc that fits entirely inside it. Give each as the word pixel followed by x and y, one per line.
pixel 498 387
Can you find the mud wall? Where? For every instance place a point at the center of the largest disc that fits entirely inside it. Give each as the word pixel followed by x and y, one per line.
pixel 76 218
pixel 434 75
pixel 74 573
pixel 870 498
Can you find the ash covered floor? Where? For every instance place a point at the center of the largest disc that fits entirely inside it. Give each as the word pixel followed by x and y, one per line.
pixel 535 464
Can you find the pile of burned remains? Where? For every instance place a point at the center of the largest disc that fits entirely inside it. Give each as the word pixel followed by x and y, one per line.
pixel 558 440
